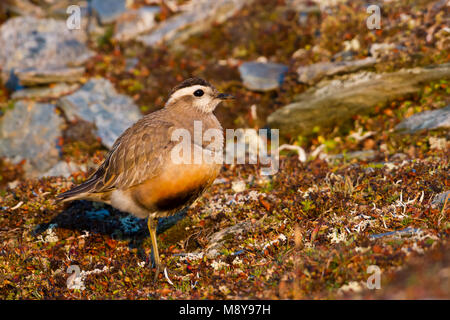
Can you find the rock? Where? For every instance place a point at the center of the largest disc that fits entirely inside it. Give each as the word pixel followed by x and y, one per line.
pixel 238 186
pixel 440 198
pixel 45 47
pixel 333 102
pixel 217 240
pixel 426 120
pixel 303 6
pixel 131 63
pixel 399 157
pixel 438 143
pixel 377 50
pixel 108 10
pixel 352 45
pixel 134 22
pixel 408 232
pixel 364 155
pixel 304 9
pixel 53 92
pixel 36 76
pixel 344 56
pixel 315 72
pixel 99 103
pixel 197 17
pixel 13 184
pixel 30 132
pixel 64 169
pixel 260 76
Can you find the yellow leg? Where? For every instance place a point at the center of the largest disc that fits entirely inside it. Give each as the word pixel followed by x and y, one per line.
pixel 152 224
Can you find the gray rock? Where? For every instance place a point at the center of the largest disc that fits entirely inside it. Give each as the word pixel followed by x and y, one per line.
pixel 37 76
pixel 134 22
pixel 315 72
pixel 332 102
pixel 260 76
pixel 30 132
pixel 131 63
pixel 64 169
pixel 363 155
pixel 426 120
pixel 53 92
pixel 198 16
pixel 440 198
pixel 108 10
pixel 217 240
pixel 408 232
pixel 99 103
pixel 378 50
pixel 43 46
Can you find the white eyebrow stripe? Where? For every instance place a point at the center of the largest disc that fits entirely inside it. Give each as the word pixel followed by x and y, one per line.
pixel 186 91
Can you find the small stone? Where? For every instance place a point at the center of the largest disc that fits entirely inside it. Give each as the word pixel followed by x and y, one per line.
pixel 351 286
pixel 315 72
pixel 426 120
pixel 260 76
pixel 108 11
pixel 52 92
pixel 439 199
pixel 300 54
pixel 64 169
pixel 36 76
pixel 134 22
pixel 13 184
pixel 131 63
pixel 238 186
pixel 407 232
pixel 377 50
pixel 438 143
pixel 363 155
pixel 352 45
pixel 217 240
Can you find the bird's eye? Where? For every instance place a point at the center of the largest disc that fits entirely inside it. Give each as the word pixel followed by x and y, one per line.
pixel 198 93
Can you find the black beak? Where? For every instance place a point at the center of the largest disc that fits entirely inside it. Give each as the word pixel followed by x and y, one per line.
pixel 224 96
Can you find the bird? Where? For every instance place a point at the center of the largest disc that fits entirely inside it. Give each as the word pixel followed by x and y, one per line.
pixel 140 174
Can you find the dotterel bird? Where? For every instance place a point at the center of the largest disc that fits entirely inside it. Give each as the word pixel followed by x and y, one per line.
pixel 139 174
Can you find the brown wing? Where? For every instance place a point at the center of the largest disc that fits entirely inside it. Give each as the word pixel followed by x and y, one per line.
pixel 137 155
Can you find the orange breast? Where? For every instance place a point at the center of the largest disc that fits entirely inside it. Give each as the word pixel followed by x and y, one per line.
pixel 177 186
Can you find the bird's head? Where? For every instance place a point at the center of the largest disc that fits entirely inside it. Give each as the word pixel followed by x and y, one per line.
pixel 197 93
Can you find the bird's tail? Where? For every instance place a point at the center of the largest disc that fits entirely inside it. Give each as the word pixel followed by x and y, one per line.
pixel 79 192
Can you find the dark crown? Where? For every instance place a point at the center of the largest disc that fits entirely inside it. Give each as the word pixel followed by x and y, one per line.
pixel 191 82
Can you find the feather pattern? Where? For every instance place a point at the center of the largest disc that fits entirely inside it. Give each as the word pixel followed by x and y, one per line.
pixel 135 157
